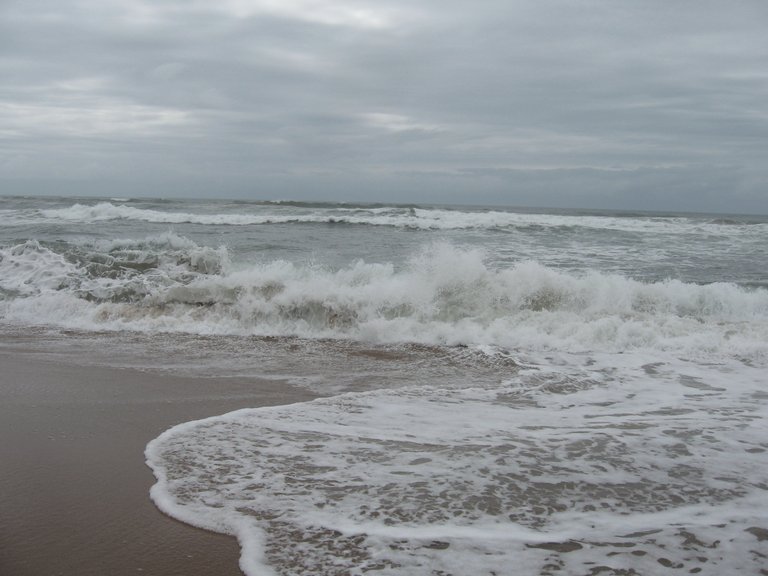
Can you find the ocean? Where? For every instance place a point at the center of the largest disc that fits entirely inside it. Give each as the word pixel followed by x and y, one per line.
pixel 500 391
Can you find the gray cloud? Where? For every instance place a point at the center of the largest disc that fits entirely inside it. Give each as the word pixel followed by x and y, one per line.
pixel 652 104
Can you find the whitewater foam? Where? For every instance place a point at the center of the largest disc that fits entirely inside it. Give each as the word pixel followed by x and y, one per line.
pixel 641 468
pixel 30 268
pixel 444 296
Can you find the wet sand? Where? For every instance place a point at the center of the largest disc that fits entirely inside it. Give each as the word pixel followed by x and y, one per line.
pixel 73 483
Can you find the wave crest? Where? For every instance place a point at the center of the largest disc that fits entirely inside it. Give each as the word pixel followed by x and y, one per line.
pixel 444 295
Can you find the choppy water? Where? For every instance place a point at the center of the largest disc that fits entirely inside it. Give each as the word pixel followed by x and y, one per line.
pixel 506 391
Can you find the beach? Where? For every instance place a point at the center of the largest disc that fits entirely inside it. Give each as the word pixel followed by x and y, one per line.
pixel 406 390
pixel 73 482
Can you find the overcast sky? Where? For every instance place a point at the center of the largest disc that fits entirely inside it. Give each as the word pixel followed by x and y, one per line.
pixel 643 104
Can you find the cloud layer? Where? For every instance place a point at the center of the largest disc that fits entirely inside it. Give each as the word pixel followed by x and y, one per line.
pixel 656 105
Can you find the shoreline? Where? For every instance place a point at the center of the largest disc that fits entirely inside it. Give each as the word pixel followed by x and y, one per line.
pixel 74 486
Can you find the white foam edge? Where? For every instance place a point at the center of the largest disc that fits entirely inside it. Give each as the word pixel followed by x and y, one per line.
pixel 568 525
pixel 250 537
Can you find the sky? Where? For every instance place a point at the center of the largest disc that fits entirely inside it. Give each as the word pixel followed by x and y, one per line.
pixel 641 104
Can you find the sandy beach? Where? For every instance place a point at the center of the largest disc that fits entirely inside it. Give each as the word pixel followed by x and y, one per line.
pixel 73 482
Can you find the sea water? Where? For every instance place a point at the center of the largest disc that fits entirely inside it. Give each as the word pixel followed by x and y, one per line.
pixel 504 391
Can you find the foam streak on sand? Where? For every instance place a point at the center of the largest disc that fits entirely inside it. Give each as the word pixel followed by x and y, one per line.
pixel 638 471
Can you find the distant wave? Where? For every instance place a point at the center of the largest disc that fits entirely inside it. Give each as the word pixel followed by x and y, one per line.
pixel 107 211
pixel 444 295
pixel 381 215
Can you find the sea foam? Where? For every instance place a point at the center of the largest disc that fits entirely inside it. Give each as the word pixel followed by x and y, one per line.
pixel 443 295
pixel 608 462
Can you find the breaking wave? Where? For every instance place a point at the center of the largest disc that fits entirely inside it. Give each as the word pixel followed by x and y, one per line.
pixel 443 295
